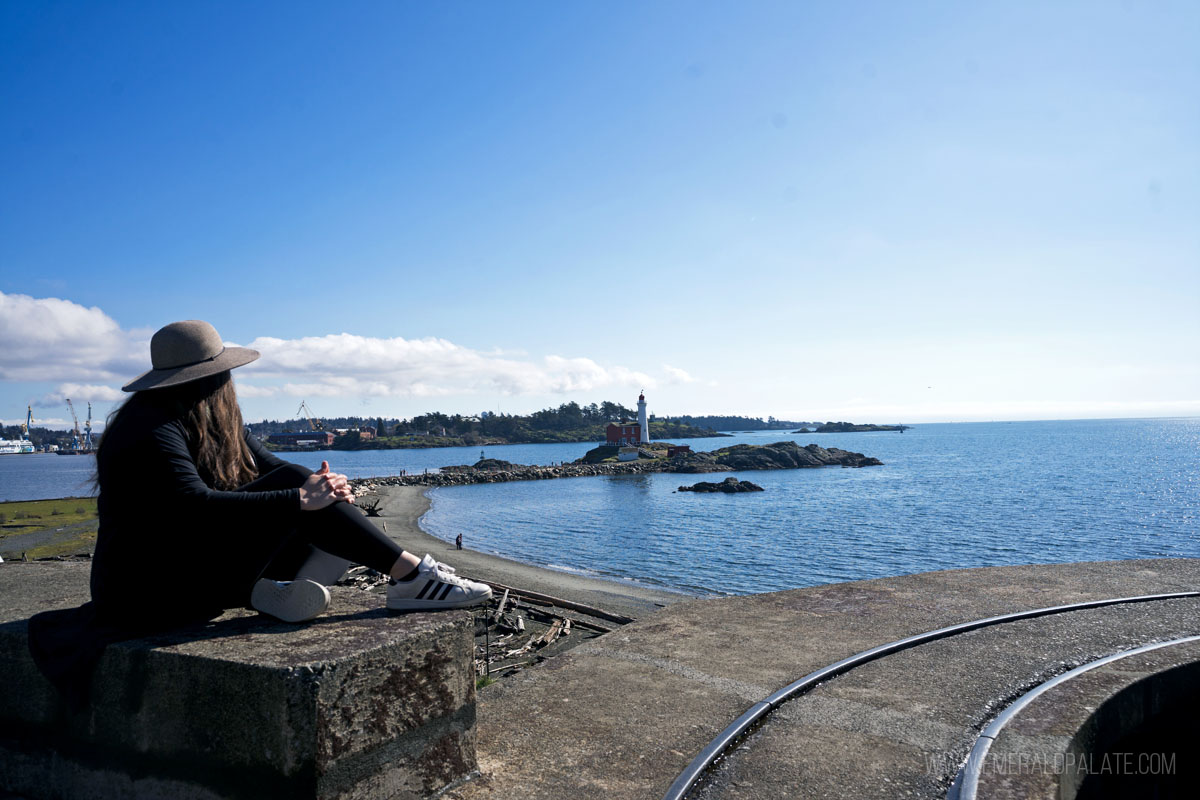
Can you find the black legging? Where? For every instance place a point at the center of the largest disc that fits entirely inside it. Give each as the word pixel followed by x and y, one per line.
pixel 339 529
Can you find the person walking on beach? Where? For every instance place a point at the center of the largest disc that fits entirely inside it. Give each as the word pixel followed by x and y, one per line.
pixel 458 541
pixel 187 492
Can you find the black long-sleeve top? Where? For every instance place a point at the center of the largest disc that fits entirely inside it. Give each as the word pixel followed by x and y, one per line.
pixel 170 550
pixel 159 516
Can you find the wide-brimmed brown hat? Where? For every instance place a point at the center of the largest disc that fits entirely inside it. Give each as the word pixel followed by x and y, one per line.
pixel 186 351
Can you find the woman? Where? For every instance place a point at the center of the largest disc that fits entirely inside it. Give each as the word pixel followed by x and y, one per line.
pixel 182 482
pixel 186 494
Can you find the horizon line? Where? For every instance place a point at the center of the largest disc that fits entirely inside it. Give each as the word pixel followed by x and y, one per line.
pixel 66 426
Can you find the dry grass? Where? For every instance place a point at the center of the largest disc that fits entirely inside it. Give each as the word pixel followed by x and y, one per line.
pixel 27 516
pixel 65 526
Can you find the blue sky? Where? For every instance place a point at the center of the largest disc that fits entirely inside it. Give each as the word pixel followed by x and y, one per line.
pixel 868 211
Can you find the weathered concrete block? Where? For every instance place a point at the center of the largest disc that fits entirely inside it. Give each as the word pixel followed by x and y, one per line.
pixel 357 703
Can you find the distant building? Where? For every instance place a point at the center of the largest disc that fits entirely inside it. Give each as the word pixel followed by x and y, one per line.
pixel 363 433
pixel 302 439
pixel 628 432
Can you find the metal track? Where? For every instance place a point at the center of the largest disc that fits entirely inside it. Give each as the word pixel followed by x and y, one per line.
pixel 738 728
pixel 966 782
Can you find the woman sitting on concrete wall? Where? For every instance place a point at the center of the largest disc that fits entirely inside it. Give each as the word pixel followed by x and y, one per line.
pixel 188 494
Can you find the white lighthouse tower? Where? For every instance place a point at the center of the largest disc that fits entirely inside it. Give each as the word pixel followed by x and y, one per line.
pixel 643 421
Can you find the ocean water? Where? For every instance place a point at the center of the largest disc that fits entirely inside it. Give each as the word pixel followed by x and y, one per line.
pixel 948 496
pixel 43 476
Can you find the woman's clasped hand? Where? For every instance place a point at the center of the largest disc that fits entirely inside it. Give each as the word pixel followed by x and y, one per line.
pixel 324 488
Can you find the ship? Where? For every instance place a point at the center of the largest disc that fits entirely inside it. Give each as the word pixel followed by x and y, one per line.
pixel 11 447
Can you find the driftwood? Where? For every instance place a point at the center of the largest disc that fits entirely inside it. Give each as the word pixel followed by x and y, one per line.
pixel 548 600
pixel 500 608
pixel 549 636
pixel 593 626
pixel 548 617
pixel 561 627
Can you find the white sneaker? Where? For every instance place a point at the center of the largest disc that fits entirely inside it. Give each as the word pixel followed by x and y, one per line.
pixel 290 601
pixel 435 587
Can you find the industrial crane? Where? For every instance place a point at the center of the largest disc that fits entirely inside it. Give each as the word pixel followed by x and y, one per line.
pixel 313 423
pixel 87 439
pixel 28 421
pixel 75 432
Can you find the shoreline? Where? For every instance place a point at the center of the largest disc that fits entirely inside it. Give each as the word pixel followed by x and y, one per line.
pixel 402 507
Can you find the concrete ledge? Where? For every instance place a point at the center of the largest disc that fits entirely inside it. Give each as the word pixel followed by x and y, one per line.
pixel 622 715
pixel 357 703
pixel 1062 738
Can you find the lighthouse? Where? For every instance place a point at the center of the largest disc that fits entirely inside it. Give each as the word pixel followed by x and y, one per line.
pixel 643 422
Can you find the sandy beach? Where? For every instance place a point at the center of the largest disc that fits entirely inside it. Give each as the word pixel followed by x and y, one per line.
pixel 402 506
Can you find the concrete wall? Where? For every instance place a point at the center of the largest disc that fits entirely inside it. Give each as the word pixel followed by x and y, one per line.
pixel 357 703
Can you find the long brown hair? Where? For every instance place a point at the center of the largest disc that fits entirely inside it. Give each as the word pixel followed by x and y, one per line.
pixel 212 421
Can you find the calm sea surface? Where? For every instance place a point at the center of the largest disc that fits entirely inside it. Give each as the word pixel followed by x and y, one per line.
pixel 952 495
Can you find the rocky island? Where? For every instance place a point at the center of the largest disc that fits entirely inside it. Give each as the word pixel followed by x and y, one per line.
pixel 652 458
pixel 850 427
pixel 730 485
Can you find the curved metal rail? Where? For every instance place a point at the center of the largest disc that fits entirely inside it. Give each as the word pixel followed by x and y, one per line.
pixel 706 757
pixel 966 782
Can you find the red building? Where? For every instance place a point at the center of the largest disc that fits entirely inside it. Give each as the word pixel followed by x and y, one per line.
pixel 623 433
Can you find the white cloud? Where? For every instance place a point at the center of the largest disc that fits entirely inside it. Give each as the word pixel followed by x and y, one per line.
pixel 348 365
pixel 250 390
pixel 55 340
pixel 80 394
pixel 49 339
pixel 677 375
pixel 54 423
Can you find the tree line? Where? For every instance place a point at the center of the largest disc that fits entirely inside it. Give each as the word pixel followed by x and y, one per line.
pixel 735 423
pixel 569 422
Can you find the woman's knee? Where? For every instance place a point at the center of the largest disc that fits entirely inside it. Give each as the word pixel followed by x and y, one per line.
pixel 293 474
pixel 296 469
pixel 288 476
